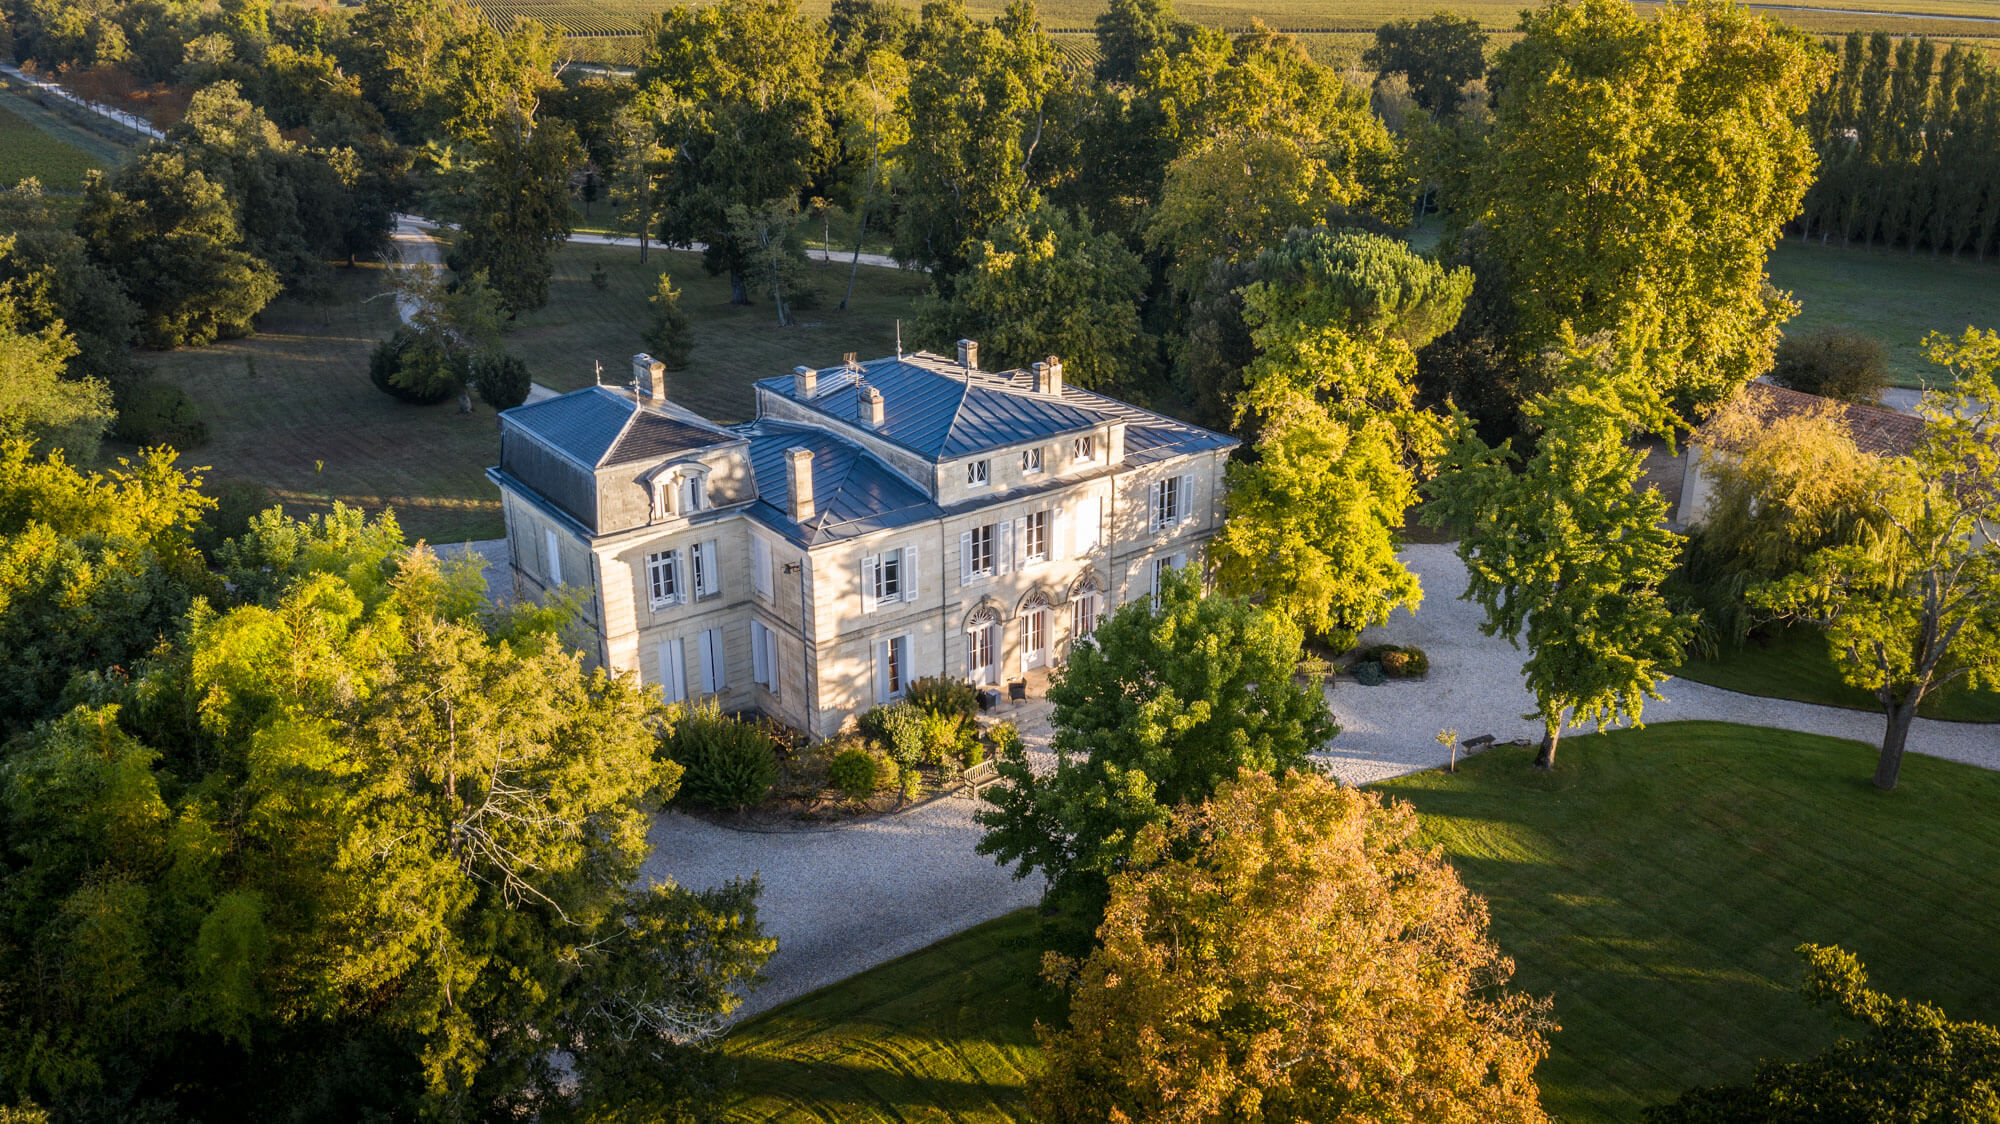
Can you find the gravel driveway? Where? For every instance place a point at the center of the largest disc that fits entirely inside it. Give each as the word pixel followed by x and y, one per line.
pixel 843 901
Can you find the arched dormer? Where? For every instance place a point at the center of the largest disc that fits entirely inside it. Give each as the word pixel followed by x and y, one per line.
pixel 678 490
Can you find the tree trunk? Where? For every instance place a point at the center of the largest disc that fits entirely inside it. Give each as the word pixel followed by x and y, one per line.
pixel 854 268
pixel 1901 715
pixel 642 245
pixel 739 292
pixel 1546 759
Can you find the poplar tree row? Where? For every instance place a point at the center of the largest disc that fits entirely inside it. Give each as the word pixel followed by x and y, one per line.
pixel 1908 135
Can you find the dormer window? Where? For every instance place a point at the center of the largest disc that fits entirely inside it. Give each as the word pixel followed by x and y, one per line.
pixel 977 473
pixel 1031 461
pixel 680 491
pixel 1085 448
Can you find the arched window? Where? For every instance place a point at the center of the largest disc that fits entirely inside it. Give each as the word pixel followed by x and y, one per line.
pixel 680 490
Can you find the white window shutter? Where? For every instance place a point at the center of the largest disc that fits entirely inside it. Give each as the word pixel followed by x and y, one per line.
pixel 707 649
pixel 1003 551
pixel 910 580
pixel 965 558
pixel 881 671
pixel 554 546
pixel 1153 506
pixel 673 671
pixel 1020 543
pixel 711 576
pixel 1187 498
pixel 1056 529
pixel 760 566
pixel 869 578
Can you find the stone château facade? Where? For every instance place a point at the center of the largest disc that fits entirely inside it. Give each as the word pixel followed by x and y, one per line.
pixel 877 523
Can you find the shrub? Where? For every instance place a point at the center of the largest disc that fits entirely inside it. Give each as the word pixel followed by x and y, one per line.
pixel 900 727
pixel 600 277
pixel 151 412
pixel 941 733
pixel 940 695
pixel 404 366
pixel 729 764
pixel 501 379
pixel 1835 362
pixel 1397 662
pixel 855 772
pixel 1368 673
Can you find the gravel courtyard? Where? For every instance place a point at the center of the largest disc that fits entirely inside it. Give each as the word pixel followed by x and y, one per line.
pixel 845 900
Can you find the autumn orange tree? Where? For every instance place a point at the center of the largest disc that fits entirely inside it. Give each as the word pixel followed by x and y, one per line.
pixel 1290 951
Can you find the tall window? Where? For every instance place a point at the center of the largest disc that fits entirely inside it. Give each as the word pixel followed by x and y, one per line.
pixel 714 672
pixel 1084 612
pixel 889 577
pixel 692 495
pixel 1085 448
pixel 663 578
pixel 1167 502
pixel 763 656
pixel 1031 461
pixel 553 561
pixel 977 472
pixel 981 546
pixel 1035 535
pixel 892 667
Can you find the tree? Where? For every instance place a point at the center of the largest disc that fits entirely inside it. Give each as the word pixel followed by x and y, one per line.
pixel 37 404
pixel 980 97
pixel 1129 30
pixel 363 847
pixel 671 334
pixel 1834 362
pixel 440 69
pixel 1439 54
pixel 502 380
pixel 1644 167
pixel 1291 950
pixel 739 99
pixel 449 323
pixel 1043 284
pixel 1920 610
pixel 169 234
pixel 1162 705
pixel 50 279
pixel 1314 517
pixel 520 210
pixel 94 568
pixel 1571 549
pixel 1914 1063
pixel 772 238
pixel 872 129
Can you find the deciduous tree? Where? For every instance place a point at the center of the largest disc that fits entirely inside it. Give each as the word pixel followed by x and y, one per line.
pixel 1158 708
pixel 1314 516
pixel 1045 284
pixel 519 210
pixel 1291 950
pixel 1645 166
pixel 1570 549
pixel 1920 609
pixel 1438 54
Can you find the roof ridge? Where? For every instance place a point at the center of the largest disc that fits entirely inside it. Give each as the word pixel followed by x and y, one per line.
pixel 622 429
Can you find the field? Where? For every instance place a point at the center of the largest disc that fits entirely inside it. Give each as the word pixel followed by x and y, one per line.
pixel 309 426
pixel 35 142
pixel 1334 33
pixel 1891 295
pixel 1655 886
pixel 734 346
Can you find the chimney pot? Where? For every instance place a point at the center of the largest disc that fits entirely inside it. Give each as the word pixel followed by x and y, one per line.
pixel 805 382
pixel 871 407
pixel 799 481
pixel 650 376
pixel 968 354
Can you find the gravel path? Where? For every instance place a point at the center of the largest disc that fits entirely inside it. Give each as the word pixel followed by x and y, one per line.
pixel 1475 687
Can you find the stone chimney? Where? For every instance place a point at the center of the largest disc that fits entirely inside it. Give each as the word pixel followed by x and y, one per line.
pixel 968 354
pixel 1048 377
pixel 650 376
pixel 870 401
pixel 799 463
pixel 805 382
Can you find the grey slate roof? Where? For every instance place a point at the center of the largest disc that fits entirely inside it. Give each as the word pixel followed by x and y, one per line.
pixel 937 410
pixel 853 493
pixel 603 425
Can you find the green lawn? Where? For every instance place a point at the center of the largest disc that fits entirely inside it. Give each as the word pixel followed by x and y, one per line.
pixel 1890 295
pixel 1795 664
pixel 1655 886
pixel 311 428
pixel 734 346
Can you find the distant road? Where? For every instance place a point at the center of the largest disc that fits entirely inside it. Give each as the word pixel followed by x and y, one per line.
pixel 131 121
